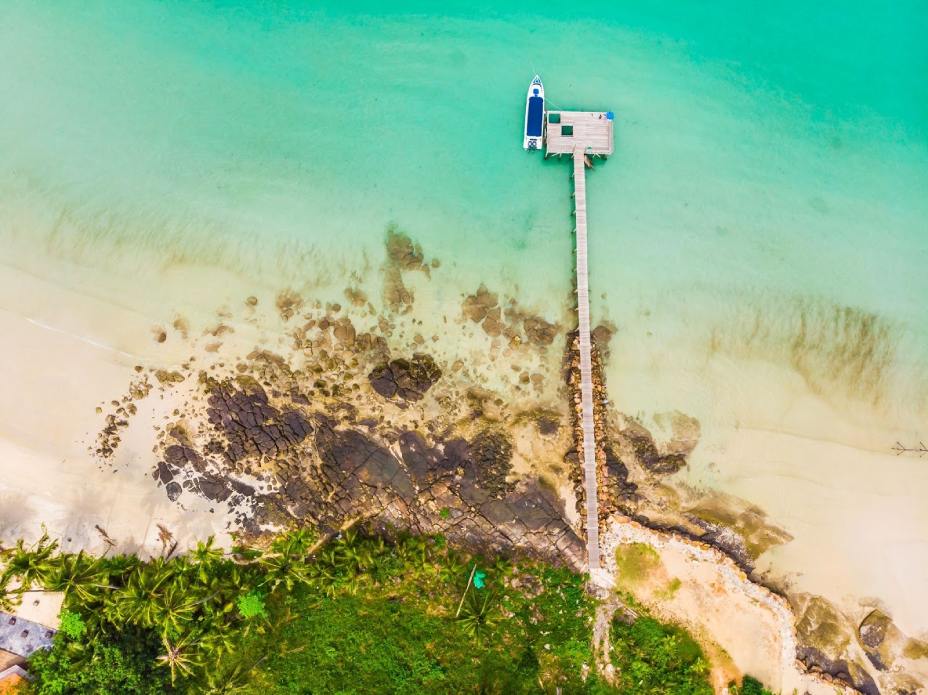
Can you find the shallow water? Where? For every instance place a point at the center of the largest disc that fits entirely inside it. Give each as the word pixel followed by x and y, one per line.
pixel 759 239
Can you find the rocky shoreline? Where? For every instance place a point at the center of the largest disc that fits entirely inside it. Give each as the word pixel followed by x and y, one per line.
pixel 357 420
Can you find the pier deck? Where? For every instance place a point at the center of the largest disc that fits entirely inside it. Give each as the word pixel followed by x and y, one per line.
pixel 590 480
pixel 566 131
pixel 582 134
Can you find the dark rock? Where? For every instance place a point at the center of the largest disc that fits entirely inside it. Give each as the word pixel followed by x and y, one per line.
pixel 539 332
pixel 214 488
pixel 250 425
pixel 179 456
pixel 547 425
pixel 408 380
pixel 647 452
pixel 617 473
pixel 164 473
pixel 872 629
pixel 497 512
pixel 850 673
pixel 421 460
pixel 490 458
pixel 241 488
pixel 173 490
pixel 872 633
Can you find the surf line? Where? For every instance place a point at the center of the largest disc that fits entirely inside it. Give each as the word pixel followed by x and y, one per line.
pixel 81 338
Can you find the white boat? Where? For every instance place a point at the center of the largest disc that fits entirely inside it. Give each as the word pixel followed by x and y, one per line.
pixel 534 115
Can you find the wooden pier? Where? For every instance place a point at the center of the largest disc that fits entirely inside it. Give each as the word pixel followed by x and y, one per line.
pixel 583 135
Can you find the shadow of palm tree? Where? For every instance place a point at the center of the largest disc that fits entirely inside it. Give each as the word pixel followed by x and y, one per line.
pixel 17 517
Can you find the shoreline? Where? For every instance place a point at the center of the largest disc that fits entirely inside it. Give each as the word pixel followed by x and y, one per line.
pixel 284 337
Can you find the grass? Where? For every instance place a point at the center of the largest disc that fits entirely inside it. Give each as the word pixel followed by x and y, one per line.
pixel 528 631
pixel 635 562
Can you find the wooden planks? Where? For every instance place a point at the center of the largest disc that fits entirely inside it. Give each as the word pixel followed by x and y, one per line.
pixel 586 365
pixel 592 132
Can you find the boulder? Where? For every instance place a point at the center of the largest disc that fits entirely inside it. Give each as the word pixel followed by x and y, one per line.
pixel 404 379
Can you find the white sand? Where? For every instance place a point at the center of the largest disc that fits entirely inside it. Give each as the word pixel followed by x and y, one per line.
pixel 64 355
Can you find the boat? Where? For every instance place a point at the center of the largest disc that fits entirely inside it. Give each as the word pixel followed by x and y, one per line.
pixel 534 115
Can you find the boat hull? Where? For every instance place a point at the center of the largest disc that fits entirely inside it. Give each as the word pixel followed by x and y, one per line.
pixel 533 132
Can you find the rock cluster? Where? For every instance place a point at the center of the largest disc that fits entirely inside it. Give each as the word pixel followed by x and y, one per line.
pixel 647 453
pixel 249 424
pixel 404 379
pixel 402 255
pixel 330 472
pixel 516 325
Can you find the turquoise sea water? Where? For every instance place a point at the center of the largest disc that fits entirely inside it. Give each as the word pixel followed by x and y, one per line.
pixel 759 240
pixel 771 160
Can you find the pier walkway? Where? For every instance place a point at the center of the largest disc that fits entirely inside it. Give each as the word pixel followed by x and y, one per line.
pixel 583 135
pixel 586 365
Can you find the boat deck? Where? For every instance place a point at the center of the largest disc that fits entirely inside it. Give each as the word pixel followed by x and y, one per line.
pixel 590 132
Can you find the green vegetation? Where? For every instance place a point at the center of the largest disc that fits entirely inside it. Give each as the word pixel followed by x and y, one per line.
pixel 669 591
pixel 653 658
pixel 359 614
pixel 392 625
pixel 635 562
pixel 356 614
pixel 749 686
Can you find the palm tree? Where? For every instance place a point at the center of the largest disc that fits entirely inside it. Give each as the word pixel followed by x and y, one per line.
pixel 205 554
pixel 29 565
pixel 6 596
pixel 79 575
pixel 287 562
pixel 138 601
pixel 181 656
pixel 174 608
pixel 478 615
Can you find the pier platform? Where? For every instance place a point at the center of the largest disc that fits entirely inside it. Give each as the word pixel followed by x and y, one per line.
pixel 588 131
pixel 583 135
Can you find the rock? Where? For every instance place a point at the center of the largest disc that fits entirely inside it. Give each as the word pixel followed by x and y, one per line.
pixel 647 453
pixel 872 631
pixel 618 475
pixel 289 303
pixel 402 252
pixel 477 306
pixel 168 378
pixel 547 425
pixel 407 380
pixel 490 456
pixel 180 456
pixel 356 296
pixel 173 490
pixel 214 488
pixel 250 425
pixel 876 634
pixel 344 332
pixel 840 669
pixel 539 332
pixel 164 473
pixel 493 323
pixel 602 336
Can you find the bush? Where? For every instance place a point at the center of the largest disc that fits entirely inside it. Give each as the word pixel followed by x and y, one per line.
pixel 654 659
pixel 123 663
pixel 750 686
